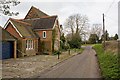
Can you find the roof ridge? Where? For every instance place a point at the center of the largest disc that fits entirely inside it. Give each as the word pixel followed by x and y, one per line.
pixel 17 20
pixel 49 16
pixel 39 10
pixel 26 29
pixel 41 17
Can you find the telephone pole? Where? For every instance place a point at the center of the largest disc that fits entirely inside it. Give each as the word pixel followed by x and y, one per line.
pixel 104 31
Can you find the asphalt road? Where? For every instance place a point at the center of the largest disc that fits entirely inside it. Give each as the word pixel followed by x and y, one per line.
pixel 84 65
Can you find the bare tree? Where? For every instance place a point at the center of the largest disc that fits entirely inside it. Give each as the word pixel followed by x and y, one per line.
pixel 77 24
pixel 5 6
pixel 70 24
pixel 96 29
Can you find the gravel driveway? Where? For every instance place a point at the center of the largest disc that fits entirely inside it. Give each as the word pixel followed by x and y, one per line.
pixel 29 66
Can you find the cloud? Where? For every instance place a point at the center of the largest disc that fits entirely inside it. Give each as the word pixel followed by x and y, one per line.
pixel 92 8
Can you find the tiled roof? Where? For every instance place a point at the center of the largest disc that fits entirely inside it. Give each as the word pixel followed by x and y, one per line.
pixel 35 19
pixel 6 35
pixel 46 22
pixel 35 13
pixel 24 28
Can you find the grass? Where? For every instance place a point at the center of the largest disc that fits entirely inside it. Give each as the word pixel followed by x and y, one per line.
pixel 87 44
pixel 77 50
pixel 64 54
pixel 108 63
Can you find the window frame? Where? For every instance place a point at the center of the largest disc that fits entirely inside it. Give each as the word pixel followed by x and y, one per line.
pixel 29 44
pixel 44 34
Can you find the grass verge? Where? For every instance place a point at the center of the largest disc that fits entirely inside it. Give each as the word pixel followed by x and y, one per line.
pixel 77 50
pixel 108 63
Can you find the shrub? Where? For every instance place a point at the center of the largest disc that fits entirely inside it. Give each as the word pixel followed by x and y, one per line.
pixel 56 52
pixel 75 42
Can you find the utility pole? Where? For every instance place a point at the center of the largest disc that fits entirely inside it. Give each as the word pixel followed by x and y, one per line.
pixel 104 31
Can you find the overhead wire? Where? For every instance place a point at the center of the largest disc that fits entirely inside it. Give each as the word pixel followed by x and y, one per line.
pixel 110 7
pixel 111 19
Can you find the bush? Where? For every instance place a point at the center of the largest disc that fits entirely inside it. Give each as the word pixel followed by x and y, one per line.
pixel 75 42
pixel 56 52
pixel 66 47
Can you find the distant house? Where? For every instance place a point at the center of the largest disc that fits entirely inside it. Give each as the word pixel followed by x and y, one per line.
pixel 8 42
pixel 37 33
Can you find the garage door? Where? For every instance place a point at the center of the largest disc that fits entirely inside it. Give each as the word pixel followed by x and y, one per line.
pixel 7 50
pixel 0 50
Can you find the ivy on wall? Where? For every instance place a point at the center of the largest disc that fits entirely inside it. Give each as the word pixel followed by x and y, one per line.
pixel 42 46
pixel 53 39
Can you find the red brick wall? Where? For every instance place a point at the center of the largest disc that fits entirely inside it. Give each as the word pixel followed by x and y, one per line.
pixel 12 31
pixel 47 41
pixel 48 35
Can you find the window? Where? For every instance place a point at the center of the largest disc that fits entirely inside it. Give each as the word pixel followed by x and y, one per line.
pixel 44 34
pixel 29 44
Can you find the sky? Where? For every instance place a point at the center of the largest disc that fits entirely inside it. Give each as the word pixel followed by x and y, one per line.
pixel 64 8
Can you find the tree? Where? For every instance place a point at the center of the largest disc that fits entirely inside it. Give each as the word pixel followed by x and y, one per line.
pixel 96 29
pixel 116 37
pixel 106 36
pixel 93 38
pixel 5 6
pixel 77 24
pixel 62 43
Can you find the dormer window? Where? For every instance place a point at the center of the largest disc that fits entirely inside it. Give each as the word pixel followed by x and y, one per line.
pixel 44 34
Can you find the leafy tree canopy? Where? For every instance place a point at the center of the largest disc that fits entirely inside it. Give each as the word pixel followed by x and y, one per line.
pixel 93 38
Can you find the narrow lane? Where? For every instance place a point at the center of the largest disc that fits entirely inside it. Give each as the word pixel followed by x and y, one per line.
pixel 80 66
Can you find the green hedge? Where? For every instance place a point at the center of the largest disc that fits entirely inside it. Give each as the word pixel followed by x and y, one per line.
pixel 108 63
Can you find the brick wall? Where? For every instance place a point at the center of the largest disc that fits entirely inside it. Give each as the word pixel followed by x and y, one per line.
pixel 12 31
pixel 47 41
pixel 57 39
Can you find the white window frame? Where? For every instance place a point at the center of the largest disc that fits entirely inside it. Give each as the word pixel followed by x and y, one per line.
pixel 26 44
pixel 32 44
pixel 29 44
pixel 44 32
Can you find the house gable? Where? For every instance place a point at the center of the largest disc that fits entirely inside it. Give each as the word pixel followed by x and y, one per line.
pixel 34 13
pixel 56 27
pixel 12 30
pixel 23 29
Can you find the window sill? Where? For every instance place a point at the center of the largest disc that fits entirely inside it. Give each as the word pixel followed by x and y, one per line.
pixel 29 49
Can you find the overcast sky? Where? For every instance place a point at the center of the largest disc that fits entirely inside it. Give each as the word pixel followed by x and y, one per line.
pixel 64 8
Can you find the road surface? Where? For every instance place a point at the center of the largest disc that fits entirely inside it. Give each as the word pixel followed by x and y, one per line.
pixel 84 65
